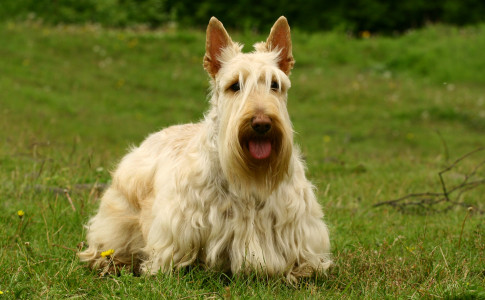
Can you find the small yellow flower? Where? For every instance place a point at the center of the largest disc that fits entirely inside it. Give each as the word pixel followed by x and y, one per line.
pixel 107 253
pixel 133 43
pixel 120 83
pixel 1 293
pixel 20 213
pixel 365 34
pixel 326 138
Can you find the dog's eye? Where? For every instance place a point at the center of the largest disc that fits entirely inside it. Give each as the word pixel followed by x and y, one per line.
pixel 275 86
pixel 235 87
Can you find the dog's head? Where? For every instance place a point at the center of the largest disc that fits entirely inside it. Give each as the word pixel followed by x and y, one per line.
pixel 249 95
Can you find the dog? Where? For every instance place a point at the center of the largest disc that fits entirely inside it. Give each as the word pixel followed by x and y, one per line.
pixel 229 192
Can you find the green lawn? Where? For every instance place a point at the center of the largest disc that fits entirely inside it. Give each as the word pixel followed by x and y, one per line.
pixel 376 118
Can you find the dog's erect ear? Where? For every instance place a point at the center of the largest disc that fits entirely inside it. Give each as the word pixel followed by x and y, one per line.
pixel 216 40
pixel 279 38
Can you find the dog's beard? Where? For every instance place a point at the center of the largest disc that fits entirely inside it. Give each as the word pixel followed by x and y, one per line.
pixel 256 162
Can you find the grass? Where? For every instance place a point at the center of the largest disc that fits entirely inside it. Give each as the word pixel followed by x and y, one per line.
pixel 376 119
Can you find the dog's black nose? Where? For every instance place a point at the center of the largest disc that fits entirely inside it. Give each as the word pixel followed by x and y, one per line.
pixel 261 124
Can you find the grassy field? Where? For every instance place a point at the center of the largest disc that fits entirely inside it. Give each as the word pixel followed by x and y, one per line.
pixel 377 119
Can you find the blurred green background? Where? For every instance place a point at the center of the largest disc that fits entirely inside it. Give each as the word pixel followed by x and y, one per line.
pixel 350 15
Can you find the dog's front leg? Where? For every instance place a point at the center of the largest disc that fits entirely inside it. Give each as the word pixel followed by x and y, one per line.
pixel 171 242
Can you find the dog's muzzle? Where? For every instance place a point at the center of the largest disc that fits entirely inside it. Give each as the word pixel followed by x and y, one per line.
pixel 260 145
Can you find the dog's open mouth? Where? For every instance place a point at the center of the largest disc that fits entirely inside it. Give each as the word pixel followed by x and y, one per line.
pixel 260 148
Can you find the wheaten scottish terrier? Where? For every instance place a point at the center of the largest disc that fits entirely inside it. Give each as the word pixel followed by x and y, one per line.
pixel 230 192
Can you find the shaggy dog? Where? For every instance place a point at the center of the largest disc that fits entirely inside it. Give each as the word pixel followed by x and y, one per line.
pixel 229 192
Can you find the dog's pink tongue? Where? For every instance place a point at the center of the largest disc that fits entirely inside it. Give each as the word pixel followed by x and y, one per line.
pixel 260 149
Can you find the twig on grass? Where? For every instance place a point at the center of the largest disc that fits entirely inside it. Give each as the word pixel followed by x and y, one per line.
pixel 93 188
pixel 63 247
pixel 99 187
pixel 429 200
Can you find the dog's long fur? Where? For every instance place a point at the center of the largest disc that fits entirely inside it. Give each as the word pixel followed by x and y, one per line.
pixel 194 194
